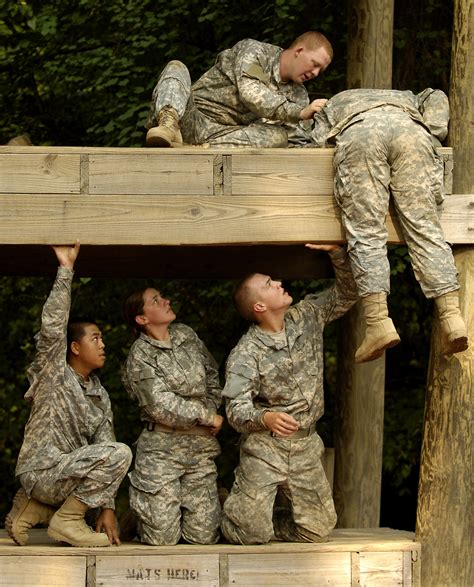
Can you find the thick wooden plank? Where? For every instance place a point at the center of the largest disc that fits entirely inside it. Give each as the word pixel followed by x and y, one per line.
pixel 177 570
pixel 347 540
pixel 309 172
pixel 281 570
pixel 31 173
pixel 46 571
pixel 150 173
pixel 187 220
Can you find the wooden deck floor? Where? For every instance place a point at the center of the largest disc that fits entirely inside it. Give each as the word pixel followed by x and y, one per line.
pixel 368 557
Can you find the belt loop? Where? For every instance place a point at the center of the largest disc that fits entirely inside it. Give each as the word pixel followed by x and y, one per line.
pixel 150 426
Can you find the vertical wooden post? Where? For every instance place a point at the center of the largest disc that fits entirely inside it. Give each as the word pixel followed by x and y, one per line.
pixel 444 515
pixel 358 430
pixel 361 388
pixel 370 44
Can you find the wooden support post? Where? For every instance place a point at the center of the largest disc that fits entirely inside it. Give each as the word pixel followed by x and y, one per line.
pixel 370 44
pixel 444 517
pixel 358 430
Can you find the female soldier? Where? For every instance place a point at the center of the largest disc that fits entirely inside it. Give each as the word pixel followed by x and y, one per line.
pixel 174 378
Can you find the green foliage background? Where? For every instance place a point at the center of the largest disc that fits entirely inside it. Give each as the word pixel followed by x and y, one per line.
pixel 80 72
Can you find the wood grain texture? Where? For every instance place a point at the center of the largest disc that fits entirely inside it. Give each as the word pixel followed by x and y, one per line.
pixel 42 173
pixel 308 171
pixel 445 513
pixel 44 571
pixel 340 540
pixel 187 220
pixel 461 129
pixel 359 429
pixel 176 570
pixel 149 173
pixel 370 41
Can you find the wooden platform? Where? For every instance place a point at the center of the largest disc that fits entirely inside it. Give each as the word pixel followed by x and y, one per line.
pixel 372 557
pixel 148 211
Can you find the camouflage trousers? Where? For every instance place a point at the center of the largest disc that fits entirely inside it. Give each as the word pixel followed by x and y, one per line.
pixel 174 488
pixel 388 153
pixel 91 473
pixel 174 89
pixel 292 467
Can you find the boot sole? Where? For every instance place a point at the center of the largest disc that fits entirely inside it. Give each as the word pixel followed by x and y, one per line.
pixel 59 537
pixel 378 352
pixel 157 142
pixel 20 503
pixel 458 345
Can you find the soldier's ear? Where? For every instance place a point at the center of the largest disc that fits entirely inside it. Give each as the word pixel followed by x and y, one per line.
pixel 75 347
pixel 259 307
pixel 141 320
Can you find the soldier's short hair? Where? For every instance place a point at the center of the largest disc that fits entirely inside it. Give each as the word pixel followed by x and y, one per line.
pixel 133 307
pixel 76 329
pixel 244 298
pixel 313 40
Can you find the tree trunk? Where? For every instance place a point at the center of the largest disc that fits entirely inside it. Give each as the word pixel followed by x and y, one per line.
pixel 370 44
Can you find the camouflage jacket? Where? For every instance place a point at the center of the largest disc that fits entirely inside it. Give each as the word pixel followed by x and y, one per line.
pixel 177 386
pixel 67 412
pixel 245 85
pixel 263 373
pixel 429 108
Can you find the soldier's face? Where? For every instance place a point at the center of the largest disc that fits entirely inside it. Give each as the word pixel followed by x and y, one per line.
pixel 91 348
pixel 308 64
pixel 270 292
pixel 157 309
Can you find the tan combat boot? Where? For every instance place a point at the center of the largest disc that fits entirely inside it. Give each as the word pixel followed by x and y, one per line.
pixel 167 133
pixel 380 333
pixel 68 525
pixel 451 322
pixel 26 513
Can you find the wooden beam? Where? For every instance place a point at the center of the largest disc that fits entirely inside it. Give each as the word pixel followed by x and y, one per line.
pixel 188 220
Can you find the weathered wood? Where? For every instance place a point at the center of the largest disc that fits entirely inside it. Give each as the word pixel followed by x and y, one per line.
pixel 179 570
pixel 265 570
pixel 370 41
pixel 444 516
pixel 461 132
pixel 47 571
pixel 350 557
pixel 340 540
pixel 188 220
pixel 358 430
pixel 310 172
pixel 144 174
pixel 31 173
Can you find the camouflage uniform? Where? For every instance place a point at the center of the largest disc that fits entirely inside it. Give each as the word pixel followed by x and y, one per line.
pixel 383 146
pixel 265 373
pixel 173 486
pixel 240 101
pixel 69 444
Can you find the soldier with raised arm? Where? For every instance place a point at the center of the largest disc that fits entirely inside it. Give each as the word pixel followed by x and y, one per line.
pixel 274 397
pixel 69 461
